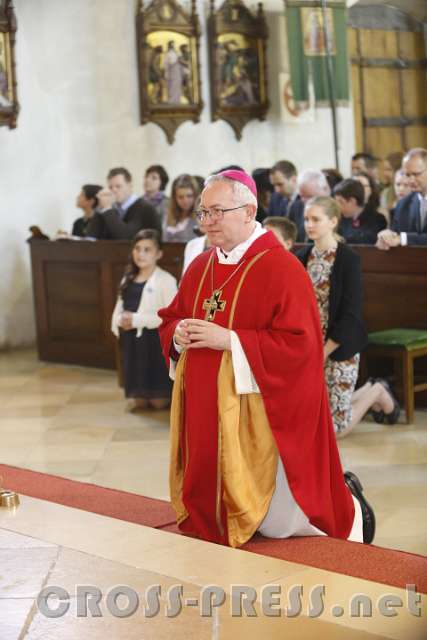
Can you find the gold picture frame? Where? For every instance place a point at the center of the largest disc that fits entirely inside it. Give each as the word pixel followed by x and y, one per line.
pixel 238 65
pixel 168 65
pixel 9 106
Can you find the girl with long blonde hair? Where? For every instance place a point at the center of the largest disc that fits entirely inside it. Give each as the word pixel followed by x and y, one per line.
pixel 336 275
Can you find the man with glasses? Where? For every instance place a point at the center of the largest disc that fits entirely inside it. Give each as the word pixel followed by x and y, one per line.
pixel 252 441
pixel 409 225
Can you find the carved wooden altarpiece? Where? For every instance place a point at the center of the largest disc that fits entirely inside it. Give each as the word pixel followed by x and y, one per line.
pixel 168 59
pixel 238 66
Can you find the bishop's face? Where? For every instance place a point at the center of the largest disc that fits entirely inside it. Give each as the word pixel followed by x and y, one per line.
pixel 233 227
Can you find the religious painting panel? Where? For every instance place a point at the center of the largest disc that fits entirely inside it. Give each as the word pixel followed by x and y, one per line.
pixel 318 32
pixel 168 60
pixel 8 96
pixel 238 68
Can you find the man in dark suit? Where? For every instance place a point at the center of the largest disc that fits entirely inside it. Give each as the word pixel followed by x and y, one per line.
pixel 283 177
pixel 360 221
pixel 409 226
pixel 123 212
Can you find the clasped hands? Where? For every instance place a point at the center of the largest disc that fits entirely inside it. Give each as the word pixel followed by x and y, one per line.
pixel 125 320
pixel 200 334
pixel 387 239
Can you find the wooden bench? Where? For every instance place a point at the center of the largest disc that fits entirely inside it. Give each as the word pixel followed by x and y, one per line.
pixel 403 346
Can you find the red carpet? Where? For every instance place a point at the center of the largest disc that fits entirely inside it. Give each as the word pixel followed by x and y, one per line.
pixel 395 568
pixel 89 497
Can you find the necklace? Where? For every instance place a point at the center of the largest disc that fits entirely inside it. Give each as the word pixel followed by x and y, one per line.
pixel 321 251
pixel 214 303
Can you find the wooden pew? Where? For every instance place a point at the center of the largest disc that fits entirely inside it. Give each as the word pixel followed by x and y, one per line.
pixel 75 287
pixel 394 287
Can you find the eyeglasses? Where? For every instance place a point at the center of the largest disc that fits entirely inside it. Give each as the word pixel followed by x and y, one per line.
pixel 215 213
pixel 414 174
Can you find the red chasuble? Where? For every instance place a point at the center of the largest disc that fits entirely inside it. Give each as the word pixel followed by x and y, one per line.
pixel 270 304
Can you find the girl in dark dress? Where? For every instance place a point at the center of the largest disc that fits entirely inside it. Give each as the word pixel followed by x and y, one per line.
pixel 144 290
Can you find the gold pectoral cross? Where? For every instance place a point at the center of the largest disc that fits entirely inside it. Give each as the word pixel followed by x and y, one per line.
pixel 213 304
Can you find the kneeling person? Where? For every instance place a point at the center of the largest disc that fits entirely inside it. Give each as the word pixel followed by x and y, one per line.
pixel 252 441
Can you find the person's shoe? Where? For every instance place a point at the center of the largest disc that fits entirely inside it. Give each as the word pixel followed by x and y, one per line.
pixel 378 416
pixel 394 414
pixel 368 515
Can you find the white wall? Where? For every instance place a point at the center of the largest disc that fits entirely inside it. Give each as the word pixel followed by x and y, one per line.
pixel 77 84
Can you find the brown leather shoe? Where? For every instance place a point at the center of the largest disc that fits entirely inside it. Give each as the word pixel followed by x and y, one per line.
pixel 368 515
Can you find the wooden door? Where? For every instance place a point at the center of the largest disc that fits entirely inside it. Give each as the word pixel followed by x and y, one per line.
pixel 389 79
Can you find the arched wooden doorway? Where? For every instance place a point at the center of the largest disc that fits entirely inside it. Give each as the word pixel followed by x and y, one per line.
pixel 389 79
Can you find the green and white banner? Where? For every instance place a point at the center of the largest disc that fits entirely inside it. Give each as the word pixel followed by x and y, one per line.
pixel 313 33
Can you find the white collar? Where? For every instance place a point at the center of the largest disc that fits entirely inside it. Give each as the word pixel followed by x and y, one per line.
pixel 129 202
pixel 235 254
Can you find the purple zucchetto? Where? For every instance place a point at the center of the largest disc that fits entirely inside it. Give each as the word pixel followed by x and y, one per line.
pixel 242 177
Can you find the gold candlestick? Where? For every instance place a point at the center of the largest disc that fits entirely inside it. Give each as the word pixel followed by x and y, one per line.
pixel 8 499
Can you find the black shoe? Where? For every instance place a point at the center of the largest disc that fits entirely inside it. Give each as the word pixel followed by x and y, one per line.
pixel 355 486
pixel 378 416
pixel 394 414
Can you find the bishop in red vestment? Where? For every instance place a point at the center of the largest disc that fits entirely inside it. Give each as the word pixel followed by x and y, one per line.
pixel 250 420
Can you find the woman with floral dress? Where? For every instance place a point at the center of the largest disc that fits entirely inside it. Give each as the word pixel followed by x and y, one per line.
pixel 336 275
